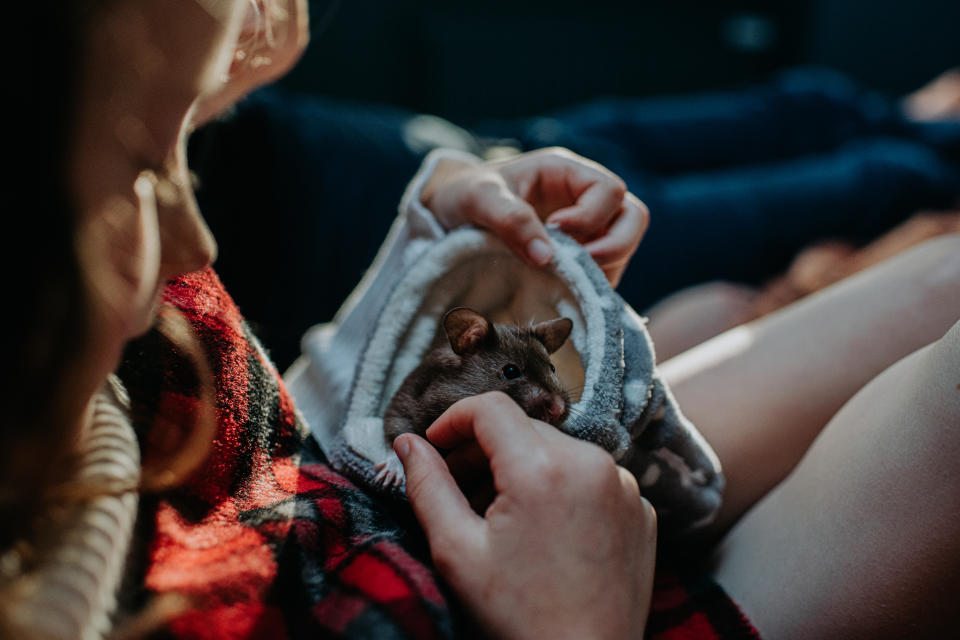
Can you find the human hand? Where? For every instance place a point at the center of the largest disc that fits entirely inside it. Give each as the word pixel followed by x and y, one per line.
pixel 566 548
pixel 514 197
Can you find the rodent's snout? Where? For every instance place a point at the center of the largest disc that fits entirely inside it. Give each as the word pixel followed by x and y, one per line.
pixel 551 408
pixel 557 408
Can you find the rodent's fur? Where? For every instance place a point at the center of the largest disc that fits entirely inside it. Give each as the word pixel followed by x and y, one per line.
pixel 477 360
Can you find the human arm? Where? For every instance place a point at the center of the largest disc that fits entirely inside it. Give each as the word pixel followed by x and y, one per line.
pixel 515 196
pixel 566 548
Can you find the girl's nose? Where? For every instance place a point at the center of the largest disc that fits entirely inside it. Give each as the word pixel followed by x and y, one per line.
pixel 187 243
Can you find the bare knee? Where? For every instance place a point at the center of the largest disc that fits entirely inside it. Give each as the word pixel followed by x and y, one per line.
pixel 937 399
pixel 942 280
pixel 945 357
pixel 886 459
pixel 693 315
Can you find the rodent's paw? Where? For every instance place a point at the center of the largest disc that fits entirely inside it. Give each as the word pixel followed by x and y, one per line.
pixel 390 472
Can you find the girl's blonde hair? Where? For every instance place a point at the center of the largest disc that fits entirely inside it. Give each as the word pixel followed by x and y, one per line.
pixel 49 303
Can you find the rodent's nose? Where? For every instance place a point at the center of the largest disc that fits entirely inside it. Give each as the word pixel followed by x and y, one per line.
pixel 555 410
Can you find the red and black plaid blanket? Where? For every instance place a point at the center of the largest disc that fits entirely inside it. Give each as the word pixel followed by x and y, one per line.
pixel 267 541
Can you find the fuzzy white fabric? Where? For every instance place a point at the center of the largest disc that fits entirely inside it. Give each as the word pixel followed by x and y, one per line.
pixel 472 269
pixel 321 379
pixel 351 367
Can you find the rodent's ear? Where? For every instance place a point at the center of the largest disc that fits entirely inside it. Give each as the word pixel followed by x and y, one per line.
pixel 467 330
pixel 553 333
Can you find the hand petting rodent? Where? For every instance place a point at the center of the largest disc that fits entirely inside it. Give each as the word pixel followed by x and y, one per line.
pixel 481 356
pixel 566 548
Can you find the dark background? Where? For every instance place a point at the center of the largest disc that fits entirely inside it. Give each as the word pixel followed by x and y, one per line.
pixel 468 60
pixel 330 166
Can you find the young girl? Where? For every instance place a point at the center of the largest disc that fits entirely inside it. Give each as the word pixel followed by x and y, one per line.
pixel 241 528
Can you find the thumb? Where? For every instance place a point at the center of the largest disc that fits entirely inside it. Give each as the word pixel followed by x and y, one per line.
pixel 440 506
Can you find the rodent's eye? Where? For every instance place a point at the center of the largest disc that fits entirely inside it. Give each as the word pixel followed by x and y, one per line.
pixel 511 372
pixel 553 368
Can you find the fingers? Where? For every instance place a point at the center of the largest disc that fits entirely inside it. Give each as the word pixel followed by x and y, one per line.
pixel 628 483
pixel 577 196
pixel 501 428
pixel 441 508
pixel 648 517
pixel 587 201
pixel 493 206
pixel 613 250
pixel 643 509
pixel 594 210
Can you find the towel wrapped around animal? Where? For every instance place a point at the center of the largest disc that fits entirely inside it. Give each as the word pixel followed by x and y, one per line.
pixel 351 367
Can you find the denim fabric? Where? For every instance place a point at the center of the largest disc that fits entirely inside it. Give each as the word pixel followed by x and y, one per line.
pixel 738 182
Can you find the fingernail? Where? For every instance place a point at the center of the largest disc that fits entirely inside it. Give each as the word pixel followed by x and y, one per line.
pixel 539 251
pixel 554 223
pixel 401 446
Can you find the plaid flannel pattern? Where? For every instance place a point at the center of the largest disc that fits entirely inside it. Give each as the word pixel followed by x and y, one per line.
pixel 266 540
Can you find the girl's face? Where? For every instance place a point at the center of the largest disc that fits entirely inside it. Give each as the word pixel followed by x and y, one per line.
pixel 144 66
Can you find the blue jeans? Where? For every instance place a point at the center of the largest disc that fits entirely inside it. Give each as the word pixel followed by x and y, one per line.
pixel 300 191
pixel 738 182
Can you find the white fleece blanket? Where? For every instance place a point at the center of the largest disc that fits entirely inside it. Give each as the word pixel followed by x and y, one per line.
pixel 351 367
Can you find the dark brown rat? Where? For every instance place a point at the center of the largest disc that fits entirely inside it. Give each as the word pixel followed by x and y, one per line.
pixel 481 356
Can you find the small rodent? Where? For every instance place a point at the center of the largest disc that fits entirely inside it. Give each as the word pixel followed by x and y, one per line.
pixel 481 356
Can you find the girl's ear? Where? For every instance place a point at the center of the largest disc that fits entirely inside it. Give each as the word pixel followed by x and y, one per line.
pixel 467 330
pixel 553 333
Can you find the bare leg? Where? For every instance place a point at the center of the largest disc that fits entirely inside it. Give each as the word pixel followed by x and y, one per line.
pixel 862 540
pixel 693 315
pixel 762 392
